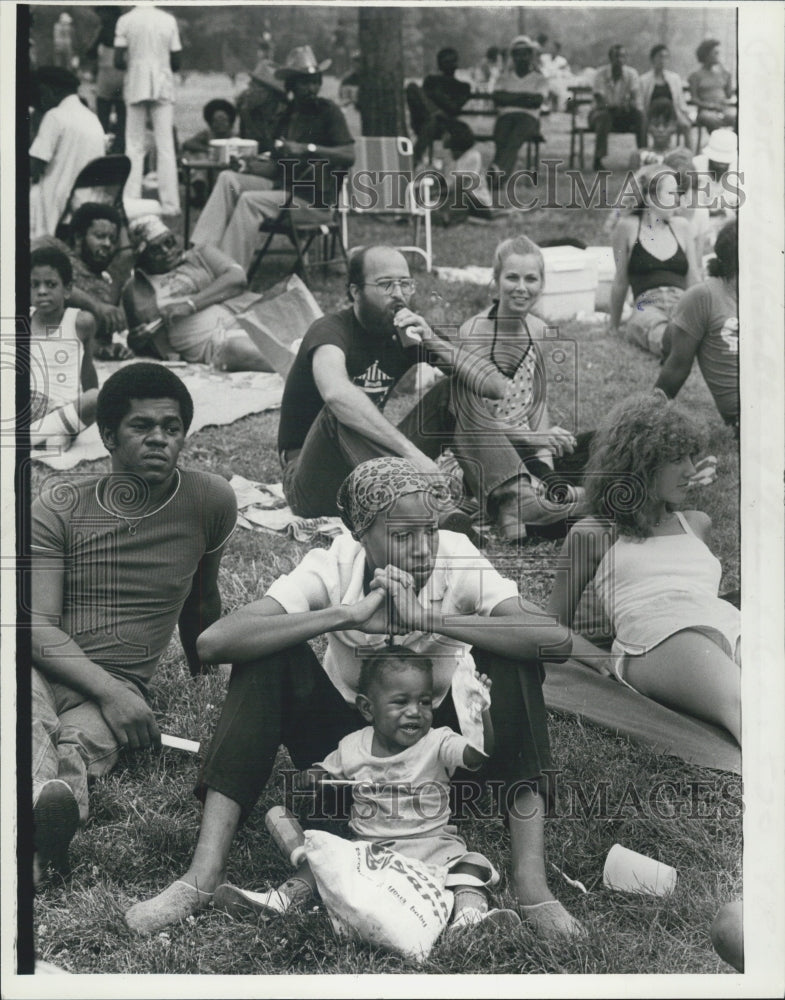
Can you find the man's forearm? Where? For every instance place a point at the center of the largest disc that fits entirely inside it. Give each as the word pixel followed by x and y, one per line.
pixel 354 410
pixel 338 156
pixel 79 299
pixel 671 379
pixel 247 635
pixel 194 619
pixel 518 637
pixel 61 660
pixel 225 286
pixel 479 375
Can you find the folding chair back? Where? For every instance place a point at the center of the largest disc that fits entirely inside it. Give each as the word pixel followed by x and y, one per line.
pixel 101 180
pixel 381 182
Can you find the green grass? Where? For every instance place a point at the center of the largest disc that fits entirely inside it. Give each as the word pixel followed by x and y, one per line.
pixel 144 818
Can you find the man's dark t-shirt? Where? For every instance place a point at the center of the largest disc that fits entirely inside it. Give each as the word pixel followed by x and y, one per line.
pixel 373 363
pixel 324 125
pixel 448 94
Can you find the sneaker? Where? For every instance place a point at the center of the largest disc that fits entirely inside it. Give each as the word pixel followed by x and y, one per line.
pixel 243 903
pixel 55 821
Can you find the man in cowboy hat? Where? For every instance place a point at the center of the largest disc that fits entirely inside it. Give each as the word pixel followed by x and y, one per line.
pixel 312 150
pixel 262 104
pixel 518 96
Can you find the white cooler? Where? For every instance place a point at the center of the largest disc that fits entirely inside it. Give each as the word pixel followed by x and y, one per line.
pixel 606 272
pixel 570 283
pixel 222 150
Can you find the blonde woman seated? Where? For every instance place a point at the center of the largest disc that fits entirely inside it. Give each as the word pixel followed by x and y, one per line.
pixel 505 389
pixel 647 554
pixel 654 255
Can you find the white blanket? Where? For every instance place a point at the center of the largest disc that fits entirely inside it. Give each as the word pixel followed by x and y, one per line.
pixel 263 506
pixel 219 398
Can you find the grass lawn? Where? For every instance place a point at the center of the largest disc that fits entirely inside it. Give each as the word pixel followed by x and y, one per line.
pixel 144 818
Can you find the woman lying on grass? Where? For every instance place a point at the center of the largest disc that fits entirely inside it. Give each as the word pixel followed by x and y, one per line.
pixel 676 641
pixel 444 600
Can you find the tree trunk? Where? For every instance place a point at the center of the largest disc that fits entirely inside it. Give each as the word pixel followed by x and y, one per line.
pixel 381 73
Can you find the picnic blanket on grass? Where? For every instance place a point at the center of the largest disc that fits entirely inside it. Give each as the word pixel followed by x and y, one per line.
pixel 219 398
pixel 576 689
pixel 263 506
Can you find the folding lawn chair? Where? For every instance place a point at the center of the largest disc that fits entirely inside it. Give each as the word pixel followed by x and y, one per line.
pixel 101 180
pixel 303 226
pixel 382 182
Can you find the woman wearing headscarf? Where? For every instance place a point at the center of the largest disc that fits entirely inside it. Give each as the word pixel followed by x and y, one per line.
pixel 393 573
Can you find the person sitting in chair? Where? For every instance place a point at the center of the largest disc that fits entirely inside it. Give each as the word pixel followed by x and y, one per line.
pixel 311 153
pixel 617 99
pixel 710 88
pixel 434 107
pixel 518 97
pixel 220 116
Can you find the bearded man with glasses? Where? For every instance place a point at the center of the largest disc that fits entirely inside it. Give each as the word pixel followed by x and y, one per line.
pixel 332 413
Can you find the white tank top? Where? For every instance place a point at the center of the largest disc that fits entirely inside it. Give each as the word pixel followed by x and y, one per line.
pixel 660 585
pixel 56 363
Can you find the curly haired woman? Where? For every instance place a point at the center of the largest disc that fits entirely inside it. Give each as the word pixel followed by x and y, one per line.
pixel 676 641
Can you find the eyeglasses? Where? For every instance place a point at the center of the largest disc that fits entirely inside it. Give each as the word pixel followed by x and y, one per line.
pixel 388 285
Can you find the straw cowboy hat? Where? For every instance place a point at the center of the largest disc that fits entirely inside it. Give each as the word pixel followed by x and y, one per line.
pixel 722 147
pixel 302 62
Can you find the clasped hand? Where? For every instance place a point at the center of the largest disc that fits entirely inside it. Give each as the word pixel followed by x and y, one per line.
pixel 391 607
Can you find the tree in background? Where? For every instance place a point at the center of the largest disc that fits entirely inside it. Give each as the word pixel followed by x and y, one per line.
pixel 381 71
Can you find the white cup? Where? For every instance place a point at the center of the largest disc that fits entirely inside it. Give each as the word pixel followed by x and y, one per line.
pixel 628 871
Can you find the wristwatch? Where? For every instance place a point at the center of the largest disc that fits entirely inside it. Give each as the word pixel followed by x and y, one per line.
pixel 311 148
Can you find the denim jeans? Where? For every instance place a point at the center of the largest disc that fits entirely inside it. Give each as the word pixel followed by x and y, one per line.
pixel 71 739
pixel 446 416
pixel 650 317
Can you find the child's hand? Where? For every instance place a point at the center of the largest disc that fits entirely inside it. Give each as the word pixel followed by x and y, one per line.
pixel 480 691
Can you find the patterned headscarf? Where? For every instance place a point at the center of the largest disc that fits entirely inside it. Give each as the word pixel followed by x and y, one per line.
pixel 374 486
pixel 143 230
